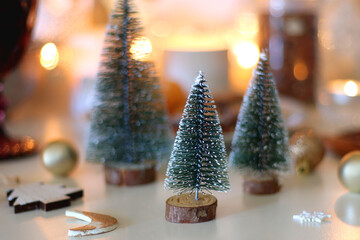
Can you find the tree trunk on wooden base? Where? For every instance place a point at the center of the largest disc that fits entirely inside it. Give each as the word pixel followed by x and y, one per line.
pixel 129 176
pixel 261 185
pixel 185 209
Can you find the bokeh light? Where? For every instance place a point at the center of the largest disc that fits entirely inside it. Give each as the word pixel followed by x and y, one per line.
pixel 351 88
pixel 301 71
pixel 140 48
pixel 49 56
pixel 247 54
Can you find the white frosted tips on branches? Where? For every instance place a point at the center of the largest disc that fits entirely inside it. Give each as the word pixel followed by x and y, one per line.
pixel 263 56
pixel 198 161
pixel 200 78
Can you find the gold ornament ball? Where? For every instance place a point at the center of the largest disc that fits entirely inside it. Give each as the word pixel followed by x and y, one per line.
pixel 59 157
pixel 306 150
pixel 349 171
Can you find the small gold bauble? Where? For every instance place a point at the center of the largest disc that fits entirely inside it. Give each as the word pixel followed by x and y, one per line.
pixel 307 151
pixel 59 157
pixel 349 171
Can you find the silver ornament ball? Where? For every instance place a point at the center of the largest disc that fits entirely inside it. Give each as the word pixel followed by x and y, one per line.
pixel 59 157
pixel 349 171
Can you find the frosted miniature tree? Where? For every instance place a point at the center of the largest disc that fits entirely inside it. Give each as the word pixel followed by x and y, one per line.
pixel 260 141
pixel 198 161
pixel 129 127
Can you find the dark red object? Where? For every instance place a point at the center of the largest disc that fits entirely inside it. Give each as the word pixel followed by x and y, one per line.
pixel 16 23
pixel 343 144
pixel 292 39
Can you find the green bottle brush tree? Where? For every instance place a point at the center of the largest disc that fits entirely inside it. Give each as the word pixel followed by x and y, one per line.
pixel 129 130
pixel 198 163
pixel 260 141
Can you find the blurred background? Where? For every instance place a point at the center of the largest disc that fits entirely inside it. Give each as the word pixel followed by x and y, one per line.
pixel 312 45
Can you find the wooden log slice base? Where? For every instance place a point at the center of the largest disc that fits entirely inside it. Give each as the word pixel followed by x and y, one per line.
pixel 185 209
pixel 261 186
pixel 129 177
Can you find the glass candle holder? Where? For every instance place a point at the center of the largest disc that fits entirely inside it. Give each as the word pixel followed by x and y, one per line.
pixel 338 97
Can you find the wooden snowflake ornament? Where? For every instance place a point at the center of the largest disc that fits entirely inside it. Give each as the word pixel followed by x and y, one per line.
pixel 41 196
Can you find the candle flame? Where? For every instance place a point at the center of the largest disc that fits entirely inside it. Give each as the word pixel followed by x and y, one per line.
pixel 351 88
pixel 49 56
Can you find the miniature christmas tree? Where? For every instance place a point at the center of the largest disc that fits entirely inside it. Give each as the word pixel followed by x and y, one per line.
pixel 198 162
pixel 260 142
pixel 129 130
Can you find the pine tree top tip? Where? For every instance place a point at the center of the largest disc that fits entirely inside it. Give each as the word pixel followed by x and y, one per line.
pixel 200 77
pixel 263 56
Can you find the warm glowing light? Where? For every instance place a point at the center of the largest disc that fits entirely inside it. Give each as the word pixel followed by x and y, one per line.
pixel 248 24
pixel 300 71
pixel 247 54
pixel 49 56
pixel 140 48
pixel 346 87
pixel 351 88
pixel 28 143
pixel 186 40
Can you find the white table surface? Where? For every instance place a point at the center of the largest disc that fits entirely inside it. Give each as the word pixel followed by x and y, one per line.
pixel 140 210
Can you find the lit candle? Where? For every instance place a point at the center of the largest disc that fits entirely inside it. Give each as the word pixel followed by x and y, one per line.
pixel 343 90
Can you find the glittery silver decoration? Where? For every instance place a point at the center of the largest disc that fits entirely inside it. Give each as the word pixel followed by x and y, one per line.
pixel 317 217
pixel 260 141
pixel 198 161
pixel 128 124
